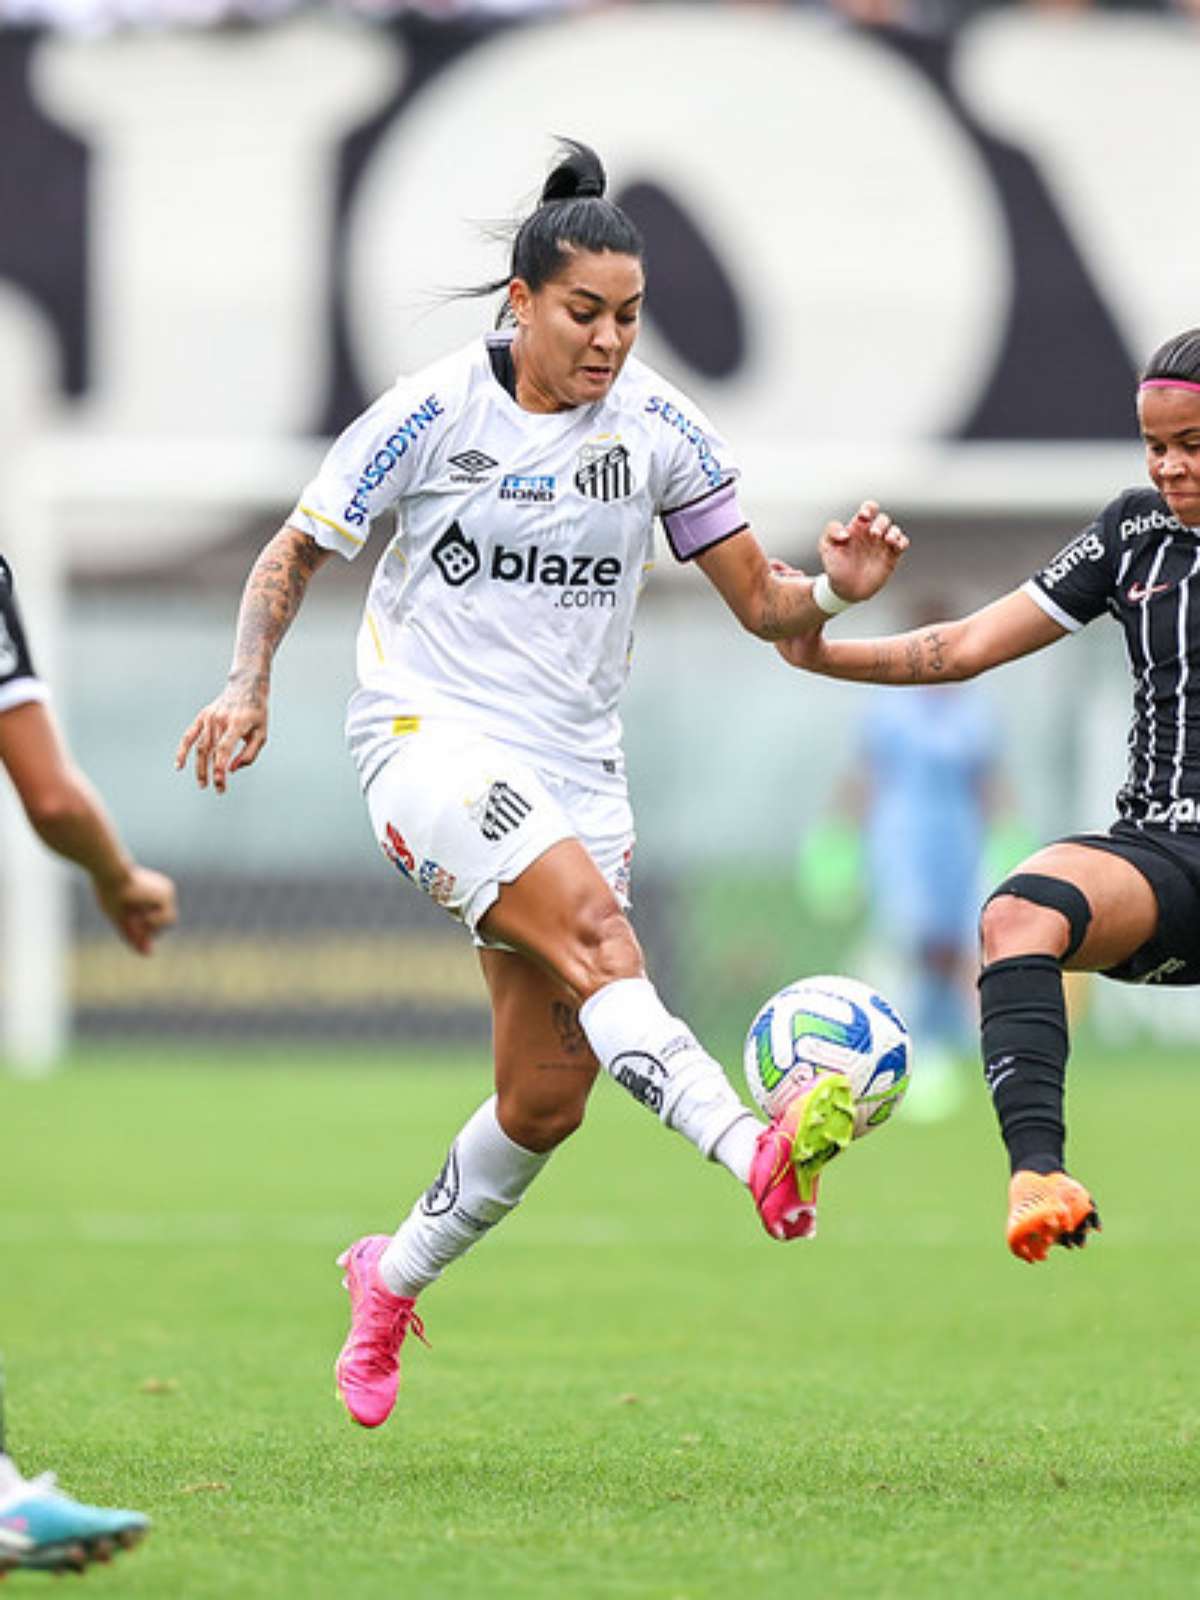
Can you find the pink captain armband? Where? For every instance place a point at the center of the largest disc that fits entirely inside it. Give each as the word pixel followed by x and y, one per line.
pixel 695 528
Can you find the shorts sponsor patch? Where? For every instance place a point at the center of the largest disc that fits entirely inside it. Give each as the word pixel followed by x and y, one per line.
pixel 437 882
pixel 396 850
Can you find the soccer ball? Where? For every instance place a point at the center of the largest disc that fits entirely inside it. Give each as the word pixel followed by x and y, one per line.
pixel 829 1022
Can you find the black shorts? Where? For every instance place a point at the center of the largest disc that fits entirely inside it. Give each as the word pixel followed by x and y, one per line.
pixel 1170 863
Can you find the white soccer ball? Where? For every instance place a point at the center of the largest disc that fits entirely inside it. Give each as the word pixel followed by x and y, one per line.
pixel 829 1022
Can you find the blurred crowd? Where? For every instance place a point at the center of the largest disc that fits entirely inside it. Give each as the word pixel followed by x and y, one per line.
pixel 98 16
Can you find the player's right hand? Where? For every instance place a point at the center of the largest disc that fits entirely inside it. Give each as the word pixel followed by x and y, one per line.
pixel 228 734
pixel 141 905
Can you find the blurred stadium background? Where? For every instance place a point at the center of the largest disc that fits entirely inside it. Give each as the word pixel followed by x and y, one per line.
pixel 910 250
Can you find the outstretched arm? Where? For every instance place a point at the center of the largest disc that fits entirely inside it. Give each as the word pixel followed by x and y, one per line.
pixel 231 731
pixel 775 602
pixel 942 652
pixel 70 818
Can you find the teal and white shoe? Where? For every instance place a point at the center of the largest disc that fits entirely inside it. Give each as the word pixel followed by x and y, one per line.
pixel 43 1530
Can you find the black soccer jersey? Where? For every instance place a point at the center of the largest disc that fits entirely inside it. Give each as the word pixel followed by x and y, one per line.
pixel 1140 564
pixel 19 682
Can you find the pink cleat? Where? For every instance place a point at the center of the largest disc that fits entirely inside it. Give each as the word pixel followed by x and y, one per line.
pixel 810 1130
pixel 368 1369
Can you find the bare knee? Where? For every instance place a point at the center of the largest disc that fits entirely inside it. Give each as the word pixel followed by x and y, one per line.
pixel 604 948
pixel 1010 926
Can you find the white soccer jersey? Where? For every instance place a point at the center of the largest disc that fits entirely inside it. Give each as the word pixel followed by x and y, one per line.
pixel 506 598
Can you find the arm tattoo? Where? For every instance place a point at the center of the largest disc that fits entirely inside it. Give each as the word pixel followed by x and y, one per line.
pixel 937 657
pixel 274 590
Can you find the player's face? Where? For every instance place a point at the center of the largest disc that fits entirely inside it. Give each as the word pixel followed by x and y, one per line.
pixel 574 333
pixel 1171 430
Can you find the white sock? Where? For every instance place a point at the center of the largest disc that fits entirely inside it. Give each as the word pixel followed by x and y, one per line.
pixel 657 1058
pixel 484 1177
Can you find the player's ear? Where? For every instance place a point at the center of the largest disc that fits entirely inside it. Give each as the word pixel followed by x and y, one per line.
pixel 520 298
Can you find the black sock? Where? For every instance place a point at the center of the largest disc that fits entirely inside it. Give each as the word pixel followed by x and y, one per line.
pixel 1025 1044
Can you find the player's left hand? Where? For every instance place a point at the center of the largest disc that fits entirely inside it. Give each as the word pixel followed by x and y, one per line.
pixel 860 556
pixel 141 905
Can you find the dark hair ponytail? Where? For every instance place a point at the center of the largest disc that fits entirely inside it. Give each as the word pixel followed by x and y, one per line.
pixel 1178 358
pixel 572 214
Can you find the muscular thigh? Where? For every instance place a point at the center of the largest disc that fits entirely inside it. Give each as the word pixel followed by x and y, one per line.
pixel 1123 903
pixel 544 1066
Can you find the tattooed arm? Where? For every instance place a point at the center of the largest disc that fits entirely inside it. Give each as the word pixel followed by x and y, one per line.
pixel 942 652
pixel 772 601
pixel 231 731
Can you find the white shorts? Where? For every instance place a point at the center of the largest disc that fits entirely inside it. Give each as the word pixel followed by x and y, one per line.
pixel 459 814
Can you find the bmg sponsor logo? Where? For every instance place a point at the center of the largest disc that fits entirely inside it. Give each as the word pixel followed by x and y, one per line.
pixel 1087 547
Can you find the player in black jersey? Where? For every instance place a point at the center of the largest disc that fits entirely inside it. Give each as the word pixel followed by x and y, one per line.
pixel 40 1528
pixel 1125 903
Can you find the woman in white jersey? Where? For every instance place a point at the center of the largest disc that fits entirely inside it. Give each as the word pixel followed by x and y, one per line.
pixel 528 470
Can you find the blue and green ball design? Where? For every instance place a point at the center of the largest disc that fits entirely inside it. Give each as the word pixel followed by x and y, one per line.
pixel 823 1024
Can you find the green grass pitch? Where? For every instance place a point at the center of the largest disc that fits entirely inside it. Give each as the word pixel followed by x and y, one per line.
pixel 632 1392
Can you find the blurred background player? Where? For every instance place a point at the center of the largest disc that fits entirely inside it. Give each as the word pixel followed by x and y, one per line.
pixel 528 470
pixel 39 1527
pixel 926 790
pixel 1125 903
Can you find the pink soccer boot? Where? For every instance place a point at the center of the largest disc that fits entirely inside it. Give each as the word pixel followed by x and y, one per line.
pixel 368 1369
pixel 812 1128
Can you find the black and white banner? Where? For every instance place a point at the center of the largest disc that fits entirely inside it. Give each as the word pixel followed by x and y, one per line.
pixel 853 236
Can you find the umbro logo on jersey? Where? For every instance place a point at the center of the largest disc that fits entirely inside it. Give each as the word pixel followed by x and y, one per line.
pixel 604 472
pixel 503 810
pixel 473 461
pixel 456 556
pixel 1137 592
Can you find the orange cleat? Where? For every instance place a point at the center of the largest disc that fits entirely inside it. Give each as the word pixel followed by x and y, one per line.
pixel 1046 1209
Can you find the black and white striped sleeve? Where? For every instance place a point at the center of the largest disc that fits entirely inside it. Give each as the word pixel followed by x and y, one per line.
pixel 19 682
